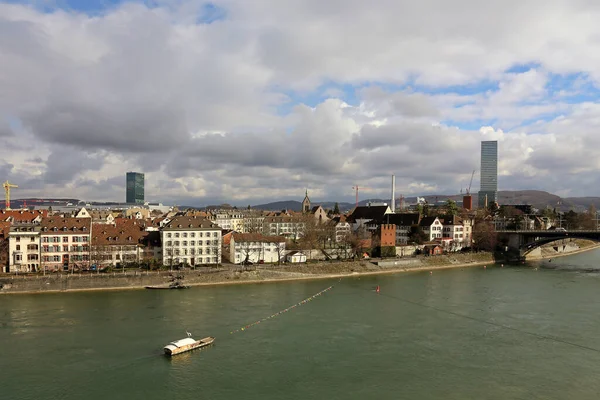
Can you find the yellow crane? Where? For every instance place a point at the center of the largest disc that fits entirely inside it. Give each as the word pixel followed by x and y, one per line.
pixel 7 186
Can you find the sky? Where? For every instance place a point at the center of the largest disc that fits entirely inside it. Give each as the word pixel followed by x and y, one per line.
pixel 244 102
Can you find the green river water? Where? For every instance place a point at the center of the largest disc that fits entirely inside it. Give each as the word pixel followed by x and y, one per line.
pixel 472 333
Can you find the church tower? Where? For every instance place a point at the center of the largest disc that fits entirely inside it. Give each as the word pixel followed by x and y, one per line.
pixel 306 204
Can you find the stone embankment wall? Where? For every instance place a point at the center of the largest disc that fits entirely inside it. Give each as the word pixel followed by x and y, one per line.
pixel 232 274
pixel 116 280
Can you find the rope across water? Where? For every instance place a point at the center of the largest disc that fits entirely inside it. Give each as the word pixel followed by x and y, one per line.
pixel 283 311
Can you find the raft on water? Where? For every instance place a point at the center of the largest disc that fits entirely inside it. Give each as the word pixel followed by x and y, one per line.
pixel 187 344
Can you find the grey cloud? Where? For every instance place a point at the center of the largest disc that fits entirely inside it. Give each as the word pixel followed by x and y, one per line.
pixel 401 103
pixel 65 163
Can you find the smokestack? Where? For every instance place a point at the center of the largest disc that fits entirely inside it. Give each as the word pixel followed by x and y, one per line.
pixel 393 193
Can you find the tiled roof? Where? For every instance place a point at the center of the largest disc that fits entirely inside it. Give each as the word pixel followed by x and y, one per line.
pixel 256 237
pixel 22 215
pixel 182 223
pixel 125 234
pixel 4 228
pixel 66 226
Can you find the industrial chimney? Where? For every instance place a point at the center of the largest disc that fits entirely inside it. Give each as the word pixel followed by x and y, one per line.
pixel 393 193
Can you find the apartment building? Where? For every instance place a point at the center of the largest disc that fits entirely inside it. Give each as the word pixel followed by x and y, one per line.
pixel 65 243
pixel 191 241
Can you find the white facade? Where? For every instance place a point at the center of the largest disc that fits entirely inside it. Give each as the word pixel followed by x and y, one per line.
pixel 192 241
pixel 24 248
pixel 284 226
pixel 244 249
pixel 296 257
pixel 342 231
pixel 434 231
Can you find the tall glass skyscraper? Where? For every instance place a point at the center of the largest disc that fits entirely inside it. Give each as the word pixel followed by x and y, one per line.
pixel 488 192
pixel 134 193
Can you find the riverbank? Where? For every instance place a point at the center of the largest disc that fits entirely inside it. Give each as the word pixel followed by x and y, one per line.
pixel 233 275
pixel 59 283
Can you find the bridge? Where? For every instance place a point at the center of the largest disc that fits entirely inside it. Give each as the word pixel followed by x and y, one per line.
pixel 526 241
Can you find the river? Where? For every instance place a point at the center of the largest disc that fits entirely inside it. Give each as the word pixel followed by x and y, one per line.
pixel 517 332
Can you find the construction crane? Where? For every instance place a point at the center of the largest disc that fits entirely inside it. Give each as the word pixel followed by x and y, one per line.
pixel 355 187
pixel 470 183
pixel 7 186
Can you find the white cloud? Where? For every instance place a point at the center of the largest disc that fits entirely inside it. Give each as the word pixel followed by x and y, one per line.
pixel 198 107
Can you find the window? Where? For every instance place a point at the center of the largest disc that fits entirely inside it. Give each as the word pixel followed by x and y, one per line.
pixel 65 248
pixel 56 258
pixel 45 239
pixel 18 247
pixel 85 238
pixel 184 234
pixel 192 243
pixel 192 234
pixel 199 234
pixel 65 239
pixel 169 243
pixel 185 242
pixel 177 234
pixel 18 239
pixel 169 234
pixel 32 239
pixel 176 243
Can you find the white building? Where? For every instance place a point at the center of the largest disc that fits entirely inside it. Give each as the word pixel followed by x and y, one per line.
pixel 255 247
pixel 24 248
pixel 288 226
pixel 432 227
pixel 192 241
pixel 457 231
pixel 296 257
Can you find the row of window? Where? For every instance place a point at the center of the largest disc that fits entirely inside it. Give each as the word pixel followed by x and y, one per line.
pixel 192 234
pixel 195 261
pixel 192 243
pixel 191 252
pixel 65 248
pixel 65 239
pixel 18 238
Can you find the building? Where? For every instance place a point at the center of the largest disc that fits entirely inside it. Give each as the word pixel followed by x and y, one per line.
pixel 488 192
pixel 134 188
pixel 24 247
pixel 65 243
pixel 306 203
pixel 432 227
pixel 292 227
pixel 191 241
pixel 117 245
pixel 387 235
pixel 255 248
pixel 341 228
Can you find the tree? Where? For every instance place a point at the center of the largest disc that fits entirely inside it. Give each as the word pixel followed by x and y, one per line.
pixel 416 234
pixel 336 209
pixel 451 207
pixel 485 237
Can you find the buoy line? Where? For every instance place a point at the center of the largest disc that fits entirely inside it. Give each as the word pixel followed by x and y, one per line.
pixel 283 311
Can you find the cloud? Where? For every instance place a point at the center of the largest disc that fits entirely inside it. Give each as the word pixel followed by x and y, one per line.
pixel 204 100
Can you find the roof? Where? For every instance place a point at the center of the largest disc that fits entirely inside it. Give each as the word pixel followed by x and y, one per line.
pixel 66 226
pixel 405 219
pixel 451 220
pixel 256 237
pixel 369 212
pixel 125 234
pixel 22 215
pixel 185 223
pixel 427 221
pixel 4 228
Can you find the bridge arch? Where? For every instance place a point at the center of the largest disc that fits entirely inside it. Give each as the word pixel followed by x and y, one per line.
pixel 528 247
